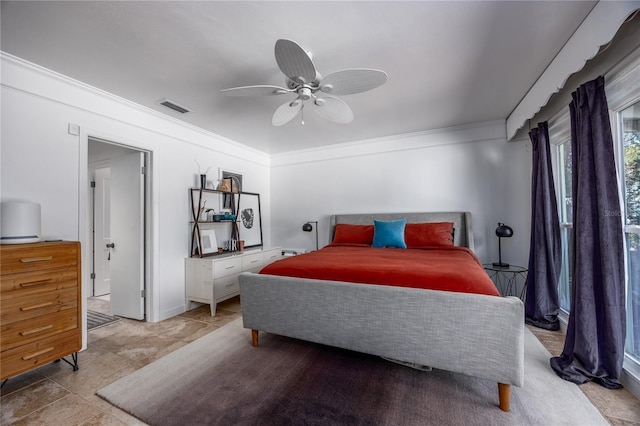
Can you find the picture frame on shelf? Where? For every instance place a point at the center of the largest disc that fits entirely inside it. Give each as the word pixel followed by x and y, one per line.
pixel 250 220
pixel 209 244
pixel 229 182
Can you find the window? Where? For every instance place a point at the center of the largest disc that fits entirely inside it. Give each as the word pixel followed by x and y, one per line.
pixel 629 139
pixel 623 96
pixel 566 222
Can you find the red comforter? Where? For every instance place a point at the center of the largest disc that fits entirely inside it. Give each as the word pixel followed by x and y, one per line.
pixel 448 268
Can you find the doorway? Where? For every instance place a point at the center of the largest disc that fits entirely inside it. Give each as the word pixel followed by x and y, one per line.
pixel 116 215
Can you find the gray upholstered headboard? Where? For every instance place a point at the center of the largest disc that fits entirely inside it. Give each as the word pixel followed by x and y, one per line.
pixel 461 222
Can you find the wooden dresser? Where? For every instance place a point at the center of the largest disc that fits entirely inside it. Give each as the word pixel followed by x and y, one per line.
pixel 40 309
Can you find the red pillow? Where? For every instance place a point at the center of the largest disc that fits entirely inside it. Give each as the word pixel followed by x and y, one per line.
pixel 353 234
pixel 420 235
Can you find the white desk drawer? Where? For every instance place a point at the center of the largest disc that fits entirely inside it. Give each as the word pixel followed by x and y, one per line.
pixel 226 267
pixel 252 261
pixel 272 255
pixel 226 286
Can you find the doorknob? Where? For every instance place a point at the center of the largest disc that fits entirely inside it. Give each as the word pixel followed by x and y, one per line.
pixel 111 245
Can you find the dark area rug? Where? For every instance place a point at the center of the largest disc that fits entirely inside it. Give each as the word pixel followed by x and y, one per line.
pixel 97 319
pixel 220 379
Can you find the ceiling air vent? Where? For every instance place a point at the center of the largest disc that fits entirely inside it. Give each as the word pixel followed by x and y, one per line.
pixel 174 106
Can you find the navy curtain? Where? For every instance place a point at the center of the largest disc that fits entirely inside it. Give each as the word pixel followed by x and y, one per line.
pixel 545 251
pixel 594 345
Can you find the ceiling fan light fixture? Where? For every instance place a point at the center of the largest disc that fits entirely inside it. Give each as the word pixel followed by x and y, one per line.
pixel 303 79
pixel 327 88
pixel 304 93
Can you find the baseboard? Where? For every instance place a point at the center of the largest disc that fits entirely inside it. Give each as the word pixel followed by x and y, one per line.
pixel 631 382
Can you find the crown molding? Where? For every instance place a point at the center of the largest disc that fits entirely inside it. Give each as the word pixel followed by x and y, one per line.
pixel 27 77
pixel 468 133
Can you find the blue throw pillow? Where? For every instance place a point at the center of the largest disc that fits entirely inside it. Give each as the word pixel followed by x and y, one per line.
pixel 389 233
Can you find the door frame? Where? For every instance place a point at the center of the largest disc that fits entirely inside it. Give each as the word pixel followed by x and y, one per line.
pixel 84 222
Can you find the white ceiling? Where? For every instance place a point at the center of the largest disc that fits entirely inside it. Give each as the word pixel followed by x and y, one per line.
pixel 449 63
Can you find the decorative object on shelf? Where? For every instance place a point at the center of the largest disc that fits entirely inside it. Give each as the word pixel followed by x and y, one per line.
pixel 204 212
pixel 250 221
pixel 308 227
pixel 209 242
pixel 203 175
pixel 225 185
pixel 502 231
pixel 229 182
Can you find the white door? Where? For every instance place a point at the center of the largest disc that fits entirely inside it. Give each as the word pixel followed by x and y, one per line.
pixel 102 233
pixel 127 236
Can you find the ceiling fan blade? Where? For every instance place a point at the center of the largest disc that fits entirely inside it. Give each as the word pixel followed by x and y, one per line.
pixel 294 62
pixel 259 90
pixel 333 109
pixel 357 80
pixel 285 112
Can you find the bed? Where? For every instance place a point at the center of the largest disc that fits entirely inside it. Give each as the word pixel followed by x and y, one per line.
pixel 480 335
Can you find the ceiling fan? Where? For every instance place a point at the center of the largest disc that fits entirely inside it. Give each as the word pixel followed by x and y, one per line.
pixel 303 80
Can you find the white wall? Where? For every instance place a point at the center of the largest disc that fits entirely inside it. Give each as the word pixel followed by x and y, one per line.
pixel 470 168
pixel 42 162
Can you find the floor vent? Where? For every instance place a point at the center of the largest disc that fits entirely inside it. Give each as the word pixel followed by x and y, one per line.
pixel 174 106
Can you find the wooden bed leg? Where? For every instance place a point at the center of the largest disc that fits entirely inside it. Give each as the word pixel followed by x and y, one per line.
pixel 254 338
pixel 504 395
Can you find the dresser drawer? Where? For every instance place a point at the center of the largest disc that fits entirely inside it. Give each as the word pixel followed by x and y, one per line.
pixel 35 283
pixel 272 255
pixel 31 330
pixel 226 267
pixel 252 261
pixel 225 287
pixel 26 307
pixel 38 257
pixel 32 355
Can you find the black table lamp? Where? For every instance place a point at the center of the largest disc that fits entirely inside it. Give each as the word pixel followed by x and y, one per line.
pixel 308 227
pixel 502 231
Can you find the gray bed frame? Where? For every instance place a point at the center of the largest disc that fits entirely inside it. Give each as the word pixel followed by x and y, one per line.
pixel 473 334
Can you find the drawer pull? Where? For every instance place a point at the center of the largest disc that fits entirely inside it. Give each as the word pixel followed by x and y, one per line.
pixel 36 259
pixel 36 283
pixel 254 261
pixel 38 306
pixel 36 354
pixel 229 285
pixel 36 330
pixel 230 267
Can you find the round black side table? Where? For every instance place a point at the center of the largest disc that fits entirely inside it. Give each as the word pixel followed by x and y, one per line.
pixel 506 279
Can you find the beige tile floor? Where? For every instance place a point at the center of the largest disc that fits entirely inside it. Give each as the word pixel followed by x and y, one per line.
pixel 54 395
pixel 619 406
